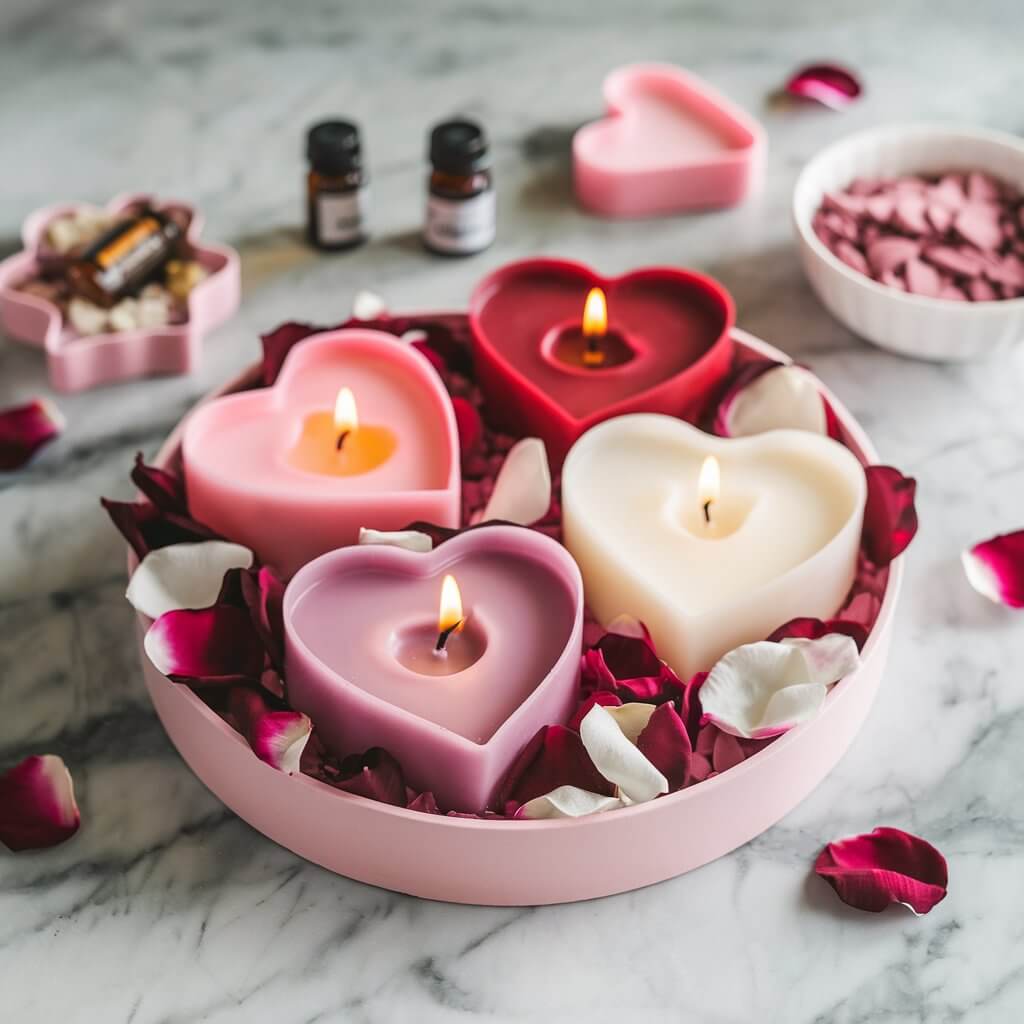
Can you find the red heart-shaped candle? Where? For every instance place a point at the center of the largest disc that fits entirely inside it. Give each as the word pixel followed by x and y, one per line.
pixel 361 629
pixel 665 348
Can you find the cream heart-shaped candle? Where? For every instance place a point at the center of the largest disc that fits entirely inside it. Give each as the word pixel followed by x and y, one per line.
pixel 711 542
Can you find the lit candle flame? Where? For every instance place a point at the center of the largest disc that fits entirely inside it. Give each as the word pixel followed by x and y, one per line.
pixel 449 618
pixel 709 486
pixel 595 323
pixel 346 419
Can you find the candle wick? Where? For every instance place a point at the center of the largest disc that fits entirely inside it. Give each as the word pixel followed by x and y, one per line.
pixel 707 512
pixel 442 637
pixel 341 440
pixel 592 354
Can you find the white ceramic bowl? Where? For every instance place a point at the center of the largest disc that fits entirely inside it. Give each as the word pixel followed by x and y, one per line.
pixel 937 329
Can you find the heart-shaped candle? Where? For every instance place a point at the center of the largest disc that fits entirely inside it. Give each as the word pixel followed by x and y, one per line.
pixel 711 542
pixel 558 348
pixel 451 660
pixel 358 431
pixel 669 143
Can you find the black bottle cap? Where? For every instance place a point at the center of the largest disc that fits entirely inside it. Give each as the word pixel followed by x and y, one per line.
pixel 459 147
pixel 333 147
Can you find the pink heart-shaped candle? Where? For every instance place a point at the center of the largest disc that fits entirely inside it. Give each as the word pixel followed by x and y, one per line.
pixel 276 468
pixel 666 347
pixel 361 631
pixel 669 143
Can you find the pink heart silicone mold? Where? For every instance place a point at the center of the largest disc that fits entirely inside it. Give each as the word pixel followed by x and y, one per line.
pixel 669 143
pixel 77 363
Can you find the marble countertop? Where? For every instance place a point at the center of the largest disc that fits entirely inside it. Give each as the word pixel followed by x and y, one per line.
pixel 166 908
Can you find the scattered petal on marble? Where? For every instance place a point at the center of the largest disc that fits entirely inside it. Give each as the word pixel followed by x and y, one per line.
pixel 522 490
pixel 831 85
pixel 765 688
pixel 886 866
pixel 567 802
pixel 374 774
pixel 410 540
pixel 890 517
pixel 367 305
pixel 554 757
pixel 615 755
pixel 184 576
pixel 276 737
pixel 781 396
pixel 37 804
pixel 24 429
pixel 205 647
pixel 995 568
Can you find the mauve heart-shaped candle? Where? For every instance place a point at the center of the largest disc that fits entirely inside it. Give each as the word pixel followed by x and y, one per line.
pixel 361 626
pixel 268 468
pixel 666 347
pixel 779 541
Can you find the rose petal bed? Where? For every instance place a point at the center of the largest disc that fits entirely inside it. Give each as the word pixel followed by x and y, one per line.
pixel 515 862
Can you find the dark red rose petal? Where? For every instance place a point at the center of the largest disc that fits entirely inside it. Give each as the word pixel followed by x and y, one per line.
pixel 263 594
pixel 24 429
pixel 554 757
pixel 890 518
pixel 602 697
pixel 666 744
pixel 165 490
pixel 814 629
pixel 277 737
pixel 995 568
pixel 374 774
pixel 883 867
pixel 206 646
pixel 831 85
pixel 37 804
pixel 470 426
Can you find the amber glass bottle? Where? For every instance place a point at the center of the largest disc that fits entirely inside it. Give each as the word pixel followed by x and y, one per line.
pixel 335 186
pixel 461 200
pixel 125 257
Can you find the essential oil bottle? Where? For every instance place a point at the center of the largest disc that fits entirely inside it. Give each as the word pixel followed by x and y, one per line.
pixel 125 257
pixel 336 186
pixel 461 199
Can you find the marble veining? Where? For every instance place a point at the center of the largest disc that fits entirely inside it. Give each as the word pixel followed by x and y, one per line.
pixel 168 910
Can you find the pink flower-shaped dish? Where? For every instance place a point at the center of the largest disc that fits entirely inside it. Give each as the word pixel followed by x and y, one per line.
pixel 516 863
pixel 77 363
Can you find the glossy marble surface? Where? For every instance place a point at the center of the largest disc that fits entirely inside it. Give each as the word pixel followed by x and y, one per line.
pixel 168 909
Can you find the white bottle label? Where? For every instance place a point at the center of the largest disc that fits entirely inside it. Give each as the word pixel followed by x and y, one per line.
pixel 342 218
pixel 460 225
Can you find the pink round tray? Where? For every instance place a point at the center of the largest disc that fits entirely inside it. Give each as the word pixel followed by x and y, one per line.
pixel 520 863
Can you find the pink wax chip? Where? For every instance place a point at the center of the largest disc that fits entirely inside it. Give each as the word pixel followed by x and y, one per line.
pixel 851 256
pixel 981 291
pixel 891 252
pixel 949 192
pixel 982 187
pixel 962 260
pixel 844 203
pixel 910 210
pixel 880 208
pixel 909 185
pixel 863 187
pixel 949 290
pixel 922 279
pixel 1006 270
pixel 893 280
pixel 978 223
pixel 940 217
pixel 842 224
